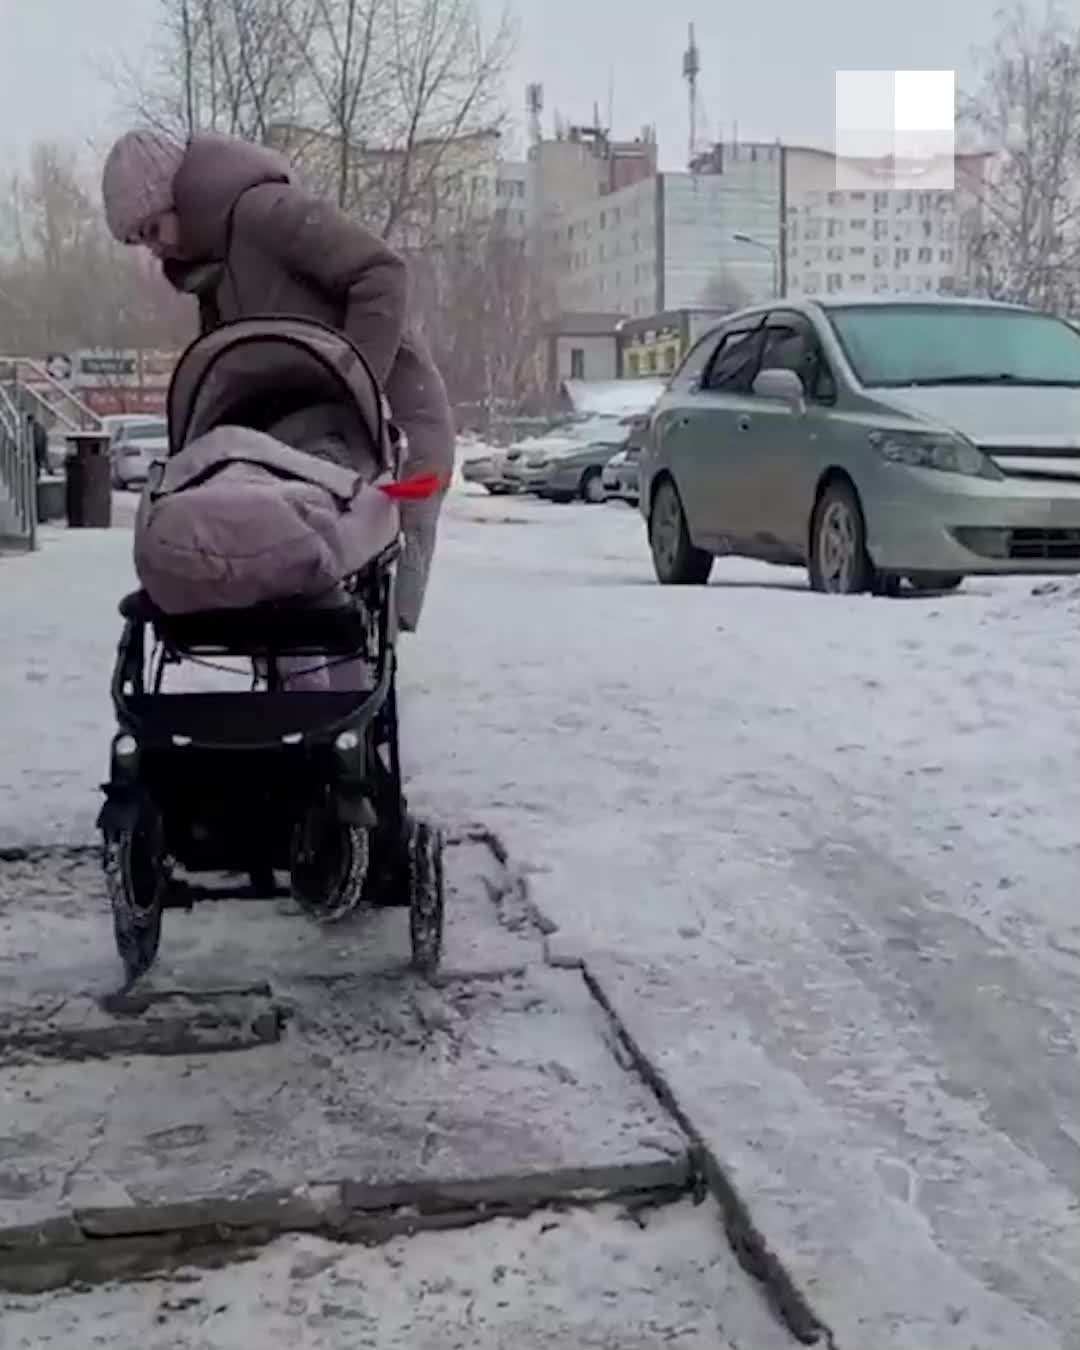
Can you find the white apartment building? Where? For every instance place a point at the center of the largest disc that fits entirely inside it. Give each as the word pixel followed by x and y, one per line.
pixel 512 196
pixel 669 241
pixel 892 242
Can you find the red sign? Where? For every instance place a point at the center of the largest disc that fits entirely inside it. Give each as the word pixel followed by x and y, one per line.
pixel 107 401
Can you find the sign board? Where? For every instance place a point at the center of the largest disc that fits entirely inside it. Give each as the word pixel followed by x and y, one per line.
pixel 110 367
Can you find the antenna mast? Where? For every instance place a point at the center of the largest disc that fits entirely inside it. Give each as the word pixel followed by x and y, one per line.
pixel 534 106
pixel 691 71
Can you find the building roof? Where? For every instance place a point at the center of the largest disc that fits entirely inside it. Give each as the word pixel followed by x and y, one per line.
pixel 588 323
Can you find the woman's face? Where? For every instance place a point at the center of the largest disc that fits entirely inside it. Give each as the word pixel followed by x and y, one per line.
pixel 161 235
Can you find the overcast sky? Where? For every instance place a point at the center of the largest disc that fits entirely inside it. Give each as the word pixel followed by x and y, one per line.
pixel 769 64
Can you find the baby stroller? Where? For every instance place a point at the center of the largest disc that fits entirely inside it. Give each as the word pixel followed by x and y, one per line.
pixel 269 778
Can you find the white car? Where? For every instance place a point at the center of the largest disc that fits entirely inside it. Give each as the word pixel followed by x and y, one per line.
pixel 136 443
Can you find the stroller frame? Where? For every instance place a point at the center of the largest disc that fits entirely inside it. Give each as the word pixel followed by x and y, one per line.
pixel 268 779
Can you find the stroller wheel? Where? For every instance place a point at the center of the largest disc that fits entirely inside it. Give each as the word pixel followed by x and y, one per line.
pixel 426 895
pixel 329 865
pixel 137 880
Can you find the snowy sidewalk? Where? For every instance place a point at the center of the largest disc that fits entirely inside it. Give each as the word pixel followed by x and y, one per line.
pixel 821 854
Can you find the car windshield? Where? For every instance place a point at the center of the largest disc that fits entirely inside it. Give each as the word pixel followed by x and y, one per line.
pixel 903 345
pixel 143 431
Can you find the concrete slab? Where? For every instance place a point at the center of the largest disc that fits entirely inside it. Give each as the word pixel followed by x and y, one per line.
pixel 384 1093
pixel 56 937
pixel 553 1281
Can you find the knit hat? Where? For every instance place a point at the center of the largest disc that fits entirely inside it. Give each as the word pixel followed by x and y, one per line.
pixel 137 182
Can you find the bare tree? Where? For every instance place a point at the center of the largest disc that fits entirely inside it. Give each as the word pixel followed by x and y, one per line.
pixel 1023 240
pixel 484 303
pixel 404 110
pixel 230 66
pixel 64 282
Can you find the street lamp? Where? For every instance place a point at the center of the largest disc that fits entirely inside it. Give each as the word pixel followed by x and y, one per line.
pixel 772 251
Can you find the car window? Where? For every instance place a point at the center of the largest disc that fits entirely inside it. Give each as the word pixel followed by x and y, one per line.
pixel 698 357
pixel 734 365
pixel 794 346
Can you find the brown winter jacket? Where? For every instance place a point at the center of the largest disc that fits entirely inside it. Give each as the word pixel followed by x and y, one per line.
pixel 255 243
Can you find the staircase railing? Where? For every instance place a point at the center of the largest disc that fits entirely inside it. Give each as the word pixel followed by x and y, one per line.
pixel 37 392
pixel 18 472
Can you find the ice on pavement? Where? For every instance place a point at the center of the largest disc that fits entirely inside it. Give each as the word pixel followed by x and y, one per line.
pixel 823 852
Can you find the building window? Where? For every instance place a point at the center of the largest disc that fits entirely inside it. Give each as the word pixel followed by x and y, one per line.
pixel 858 278
pixel 836 198
pixel 858 251
pixel 834 282
pixel 881 229
pixel 859 224
pixel 945 255
pixel 577 363
pixel 881 201
pixel 631 364
pixel 926 255
pixel 858 196
pixel 835 227
pixel 902 255
pixel 812 229
pixel 835 253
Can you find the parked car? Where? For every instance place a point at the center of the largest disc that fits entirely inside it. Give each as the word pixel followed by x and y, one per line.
pixel 620 475
pixel 577 474
pixel 136 443
pixel 537 465
pixel 870 440
pixel 488 470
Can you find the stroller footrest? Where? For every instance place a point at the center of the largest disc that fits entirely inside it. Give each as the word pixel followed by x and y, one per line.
pixel 241 721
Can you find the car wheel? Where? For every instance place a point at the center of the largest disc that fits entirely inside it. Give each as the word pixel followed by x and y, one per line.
pixel 592 488
pixel 676 560
pixel 839 562
pixel 937 581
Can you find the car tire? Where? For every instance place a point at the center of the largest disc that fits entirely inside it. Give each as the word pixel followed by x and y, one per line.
pixel 839 562
pixel 937 581
pixel 592 488
pixel 676 560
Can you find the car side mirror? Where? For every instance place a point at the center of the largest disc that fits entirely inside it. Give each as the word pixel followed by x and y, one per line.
pixel 782 386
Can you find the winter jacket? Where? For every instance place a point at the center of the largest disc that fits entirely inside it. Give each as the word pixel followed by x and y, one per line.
pixel 259 244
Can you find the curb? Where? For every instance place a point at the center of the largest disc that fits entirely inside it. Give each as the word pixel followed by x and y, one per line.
pixel 747 1242
pixel 93 1246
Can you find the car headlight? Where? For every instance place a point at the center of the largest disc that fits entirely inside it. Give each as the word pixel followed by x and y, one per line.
pixel 933 450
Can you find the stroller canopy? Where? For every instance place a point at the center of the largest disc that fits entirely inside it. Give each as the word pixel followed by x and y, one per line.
pixel 253 371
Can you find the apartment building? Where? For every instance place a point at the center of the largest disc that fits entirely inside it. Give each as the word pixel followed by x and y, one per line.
pixel 892 241
pixel 669 241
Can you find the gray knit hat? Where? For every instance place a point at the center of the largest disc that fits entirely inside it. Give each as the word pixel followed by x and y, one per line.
pixel 137 182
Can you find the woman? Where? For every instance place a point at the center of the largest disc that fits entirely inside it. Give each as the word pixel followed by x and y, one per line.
pixel 231 228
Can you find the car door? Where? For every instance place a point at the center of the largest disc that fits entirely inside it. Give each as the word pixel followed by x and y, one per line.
pixel 788 445
pixel 709 431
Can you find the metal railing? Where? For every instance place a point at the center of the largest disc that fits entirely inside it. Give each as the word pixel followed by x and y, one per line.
pixel 51 402
pixel 18 473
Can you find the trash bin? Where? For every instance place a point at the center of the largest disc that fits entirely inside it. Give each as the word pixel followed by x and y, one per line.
pixel 88 480
pixel 51 498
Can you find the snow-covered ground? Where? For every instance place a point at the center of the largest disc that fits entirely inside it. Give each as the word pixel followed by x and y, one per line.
pixel 823 853
pixel 553 1282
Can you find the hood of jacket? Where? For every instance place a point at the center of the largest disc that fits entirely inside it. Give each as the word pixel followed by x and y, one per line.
pixel 215 173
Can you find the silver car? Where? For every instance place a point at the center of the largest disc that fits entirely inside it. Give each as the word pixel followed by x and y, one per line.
pixel 136 444
pixel 871 440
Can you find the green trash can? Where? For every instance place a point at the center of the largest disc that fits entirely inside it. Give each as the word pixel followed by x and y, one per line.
pixel 88 481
